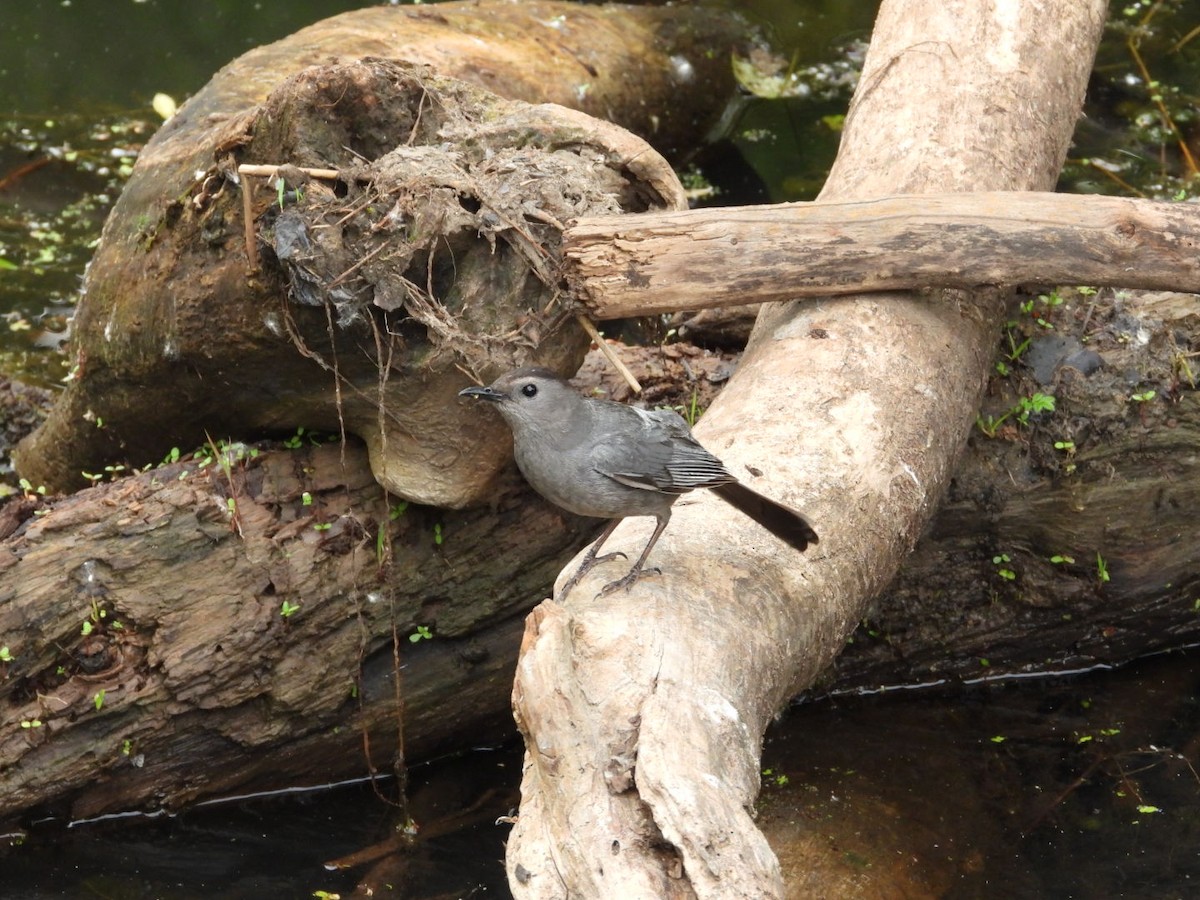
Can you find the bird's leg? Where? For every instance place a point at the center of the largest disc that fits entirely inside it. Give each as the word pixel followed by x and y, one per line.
pixel 590 559
pixel 633 574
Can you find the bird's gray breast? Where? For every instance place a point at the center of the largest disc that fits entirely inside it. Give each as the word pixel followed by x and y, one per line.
pixel 576 467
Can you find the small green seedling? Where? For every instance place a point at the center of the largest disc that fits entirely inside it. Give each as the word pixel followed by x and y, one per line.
pixel 1101 568
pixel 1015 349
pixel 1067 447
pixel 1001 562
pixel 421 634
pixel 287 609
pixel 1059 559
pixel 779 779
pixel 1035 403
pixel 30 490
pixel 1143 397
pixel 1048 303
pixel 1021 410
pixel 693 411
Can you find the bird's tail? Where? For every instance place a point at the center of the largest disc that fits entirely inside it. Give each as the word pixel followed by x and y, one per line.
pixel 786 524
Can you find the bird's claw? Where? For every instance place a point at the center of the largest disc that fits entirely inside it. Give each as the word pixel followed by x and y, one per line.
pixel 627 582
pixel 612 555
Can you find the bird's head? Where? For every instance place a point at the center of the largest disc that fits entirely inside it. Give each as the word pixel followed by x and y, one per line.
pixel 531 397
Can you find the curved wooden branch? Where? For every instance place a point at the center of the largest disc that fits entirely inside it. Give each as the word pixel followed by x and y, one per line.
pixel 622 266
pixel 643 712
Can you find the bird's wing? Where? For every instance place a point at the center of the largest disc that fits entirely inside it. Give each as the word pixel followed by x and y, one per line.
pixel 659 454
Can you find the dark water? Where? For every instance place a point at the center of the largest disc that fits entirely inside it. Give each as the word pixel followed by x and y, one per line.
pixel 280 846
pixel 1056 787
pixel 1067 787
pixel 1074 788
pixel 94 58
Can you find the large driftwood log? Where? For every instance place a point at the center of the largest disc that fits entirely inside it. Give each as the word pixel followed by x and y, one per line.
pixel 153 660
pixel 670 262
pixel 449 208
pixel 643 715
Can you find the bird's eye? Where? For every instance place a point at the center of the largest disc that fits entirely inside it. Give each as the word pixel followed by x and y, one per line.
pixel 530 390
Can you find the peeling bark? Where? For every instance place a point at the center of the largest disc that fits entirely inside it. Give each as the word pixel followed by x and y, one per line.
pixel 205 685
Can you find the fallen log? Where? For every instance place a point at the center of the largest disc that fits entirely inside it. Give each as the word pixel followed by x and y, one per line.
pixel 672 262
pixel 1066 541
pixel 209 628
pixel 643 716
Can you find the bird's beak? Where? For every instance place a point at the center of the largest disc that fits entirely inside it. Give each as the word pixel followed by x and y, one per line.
pixel 483 393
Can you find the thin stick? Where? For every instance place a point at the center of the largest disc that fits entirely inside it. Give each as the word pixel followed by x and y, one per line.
pixel 248 222
pixel 608 351
pixel 268 171
pixel 354 268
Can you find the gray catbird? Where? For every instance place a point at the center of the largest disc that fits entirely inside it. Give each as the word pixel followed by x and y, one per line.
pixel 604 459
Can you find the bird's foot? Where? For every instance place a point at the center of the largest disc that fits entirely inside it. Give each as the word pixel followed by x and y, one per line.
pixel 624 584
pixel 584 568
pixel 566 588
